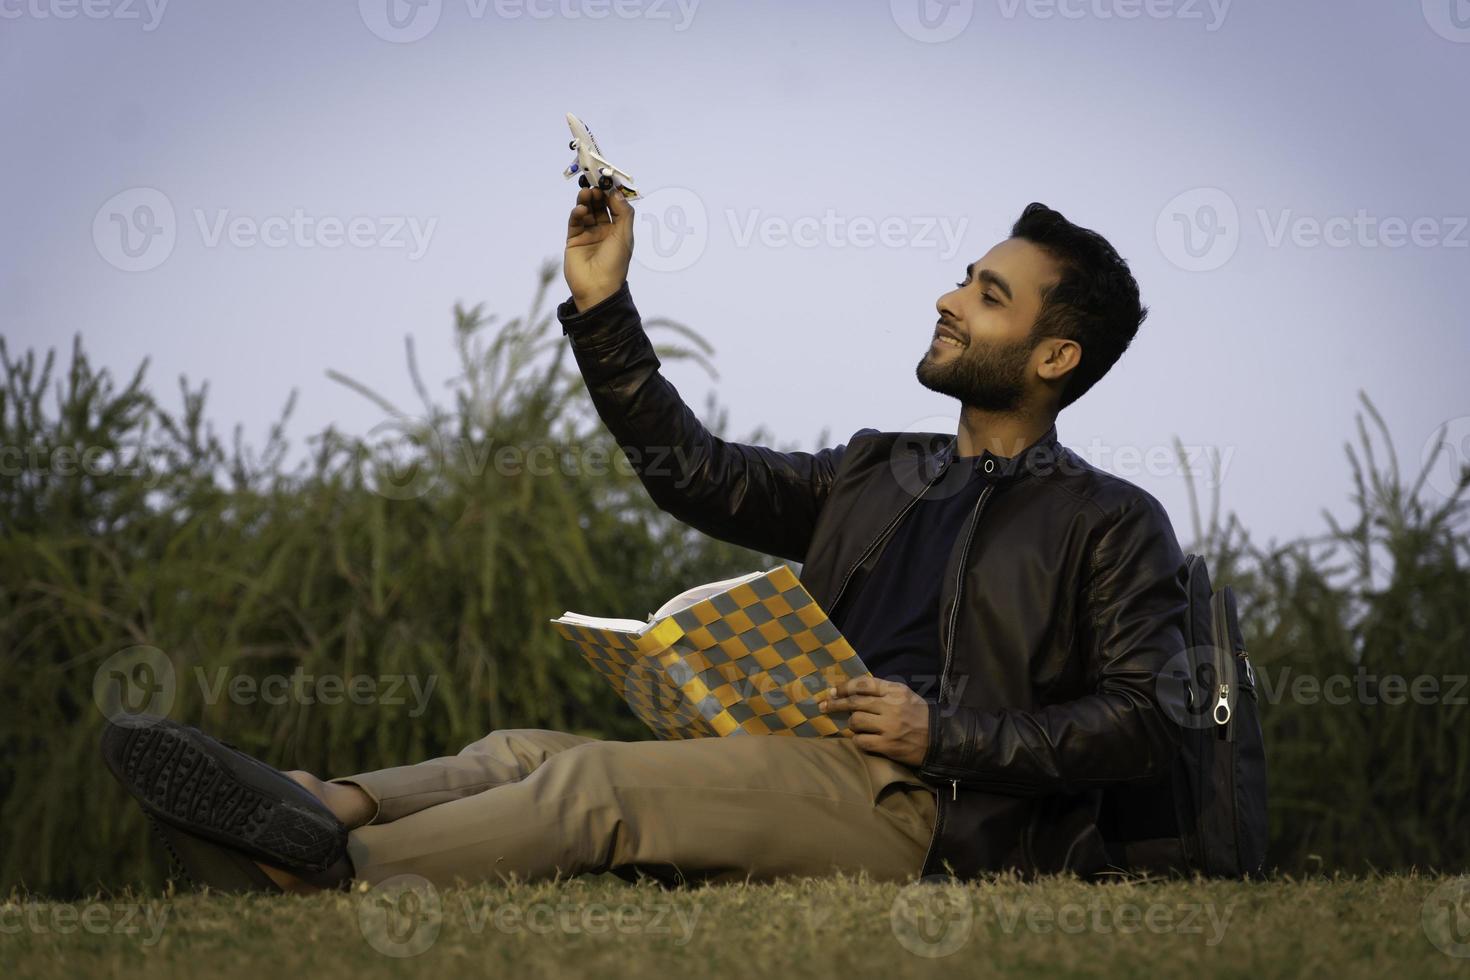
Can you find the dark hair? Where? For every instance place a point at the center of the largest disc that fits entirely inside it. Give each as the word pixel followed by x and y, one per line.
pixel 1095 303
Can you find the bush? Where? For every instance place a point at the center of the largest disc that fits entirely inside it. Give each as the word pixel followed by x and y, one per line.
pixel 1362 774
pixel 417 552
pixel 409 552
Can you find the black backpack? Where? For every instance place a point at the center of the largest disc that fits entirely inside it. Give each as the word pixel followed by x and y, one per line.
pixel 1209 815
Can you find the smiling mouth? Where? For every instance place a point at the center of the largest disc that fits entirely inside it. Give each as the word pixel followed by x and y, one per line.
pixel 945 340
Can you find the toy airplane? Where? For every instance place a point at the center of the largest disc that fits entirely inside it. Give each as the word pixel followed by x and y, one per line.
pixel 590 164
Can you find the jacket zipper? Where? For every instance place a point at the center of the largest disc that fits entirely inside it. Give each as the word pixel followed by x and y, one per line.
pixel 944 671
pixel 959 578
pixel 842 587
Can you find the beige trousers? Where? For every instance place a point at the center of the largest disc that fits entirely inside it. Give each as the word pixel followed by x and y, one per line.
pixel 536 804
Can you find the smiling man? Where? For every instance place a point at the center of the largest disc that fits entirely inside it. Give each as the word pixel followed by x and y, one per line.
pixel 1014 603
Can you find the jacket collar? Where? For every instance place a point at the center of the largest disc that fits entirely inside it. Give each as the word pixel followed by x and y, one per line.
pixel 1039 457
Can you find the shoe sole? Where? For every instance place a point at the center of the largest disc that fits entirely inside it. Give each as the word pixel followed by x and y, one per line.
pixel 174 774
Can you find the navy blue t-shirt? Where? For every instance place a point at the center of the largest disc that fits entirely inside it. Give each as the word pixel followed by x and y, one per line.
pixel 892 619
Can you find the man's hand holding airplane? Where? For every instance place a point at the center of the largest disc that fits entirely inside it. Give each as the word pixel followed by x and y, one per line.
pixel 599 246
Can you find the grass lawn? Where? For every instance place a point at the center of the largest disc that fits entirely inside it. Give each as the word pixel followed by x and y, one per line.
pixel 1378 927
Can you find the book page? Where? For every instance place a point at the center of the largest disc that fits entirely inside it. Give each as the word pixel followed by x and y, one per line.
pixel 683 600
pixel 602 622
pixel 689 597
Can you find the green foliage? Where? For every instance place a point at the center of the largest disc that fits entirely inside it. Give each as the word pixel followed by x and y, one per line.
pixel 413 552
pixel 436 547
pixel 1364 772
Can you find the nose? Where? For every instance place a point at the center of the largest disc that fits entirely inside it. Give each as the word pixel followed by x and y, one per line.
pixel 943 308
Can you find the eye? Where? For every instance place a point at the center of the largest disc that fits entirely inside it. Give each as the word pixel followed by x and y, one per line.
pixel 991 300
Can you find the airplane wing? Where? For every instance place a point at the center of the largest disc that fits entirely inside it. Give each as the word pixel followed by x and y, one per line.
pixel 624 179
pixel 622 175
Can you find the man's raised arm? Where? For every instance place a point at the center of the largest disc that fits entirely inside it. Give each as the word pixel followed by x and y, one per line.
pixel 748 495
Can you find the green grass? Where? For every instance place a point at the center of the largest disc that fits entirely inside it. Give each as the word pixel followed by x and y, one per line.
pixel 1340 927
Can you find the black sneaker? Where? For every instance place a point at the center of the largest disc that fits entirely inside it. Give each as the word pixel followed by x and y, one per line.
pixel 210 791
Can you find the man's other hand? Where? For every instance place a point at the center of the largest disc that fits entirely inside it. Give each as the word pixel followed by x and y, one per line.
pixel 887 717
pixel 599 246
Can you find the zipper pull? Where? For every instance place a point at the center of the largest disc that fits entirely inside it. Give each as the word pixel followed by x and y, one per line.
pixel 1221 713
pixel 955 788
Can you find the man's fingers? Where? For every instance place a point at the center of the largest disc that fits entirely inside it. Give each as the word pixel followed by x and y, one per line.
pixel 871 686
pixel 622 216
pixel 867 684
pixel 576 221
pixel 861 721
pixel 857 702
pixel 619 205
pixel 597 207
pixel 869 743
pixel 581 218
pixel 589 212
pixel 597 202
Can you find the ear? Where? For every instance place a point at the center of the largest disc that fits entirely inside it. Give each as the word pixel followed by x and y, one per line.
pixel 1059 356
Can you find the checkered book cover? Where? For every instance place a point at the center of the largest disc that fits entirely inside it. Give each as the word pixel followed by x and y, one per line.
pixel 751 660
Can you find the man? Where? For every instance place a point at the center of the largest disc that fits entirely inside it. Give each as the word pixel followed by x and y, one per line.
pixel 1018 604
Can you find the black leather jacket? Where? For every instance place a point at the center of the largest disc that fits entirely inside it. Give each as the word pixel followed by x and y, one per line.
pixel 1061 602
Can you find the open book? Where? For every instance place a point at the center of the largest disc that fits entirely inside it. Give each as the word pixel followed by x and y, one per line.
pixel 750 655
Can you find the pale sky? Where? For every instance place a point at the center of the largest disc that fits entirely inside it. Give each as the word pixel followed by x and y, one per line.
pixel 303 184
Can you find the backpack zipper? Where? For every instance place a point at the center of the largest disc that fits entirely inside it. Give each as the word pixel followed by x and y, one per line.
pixel 1220 621
pixel 1224 663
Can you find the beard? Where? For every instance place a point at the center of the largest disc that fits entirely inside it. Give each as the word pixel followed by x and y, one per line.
pixel 988 377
